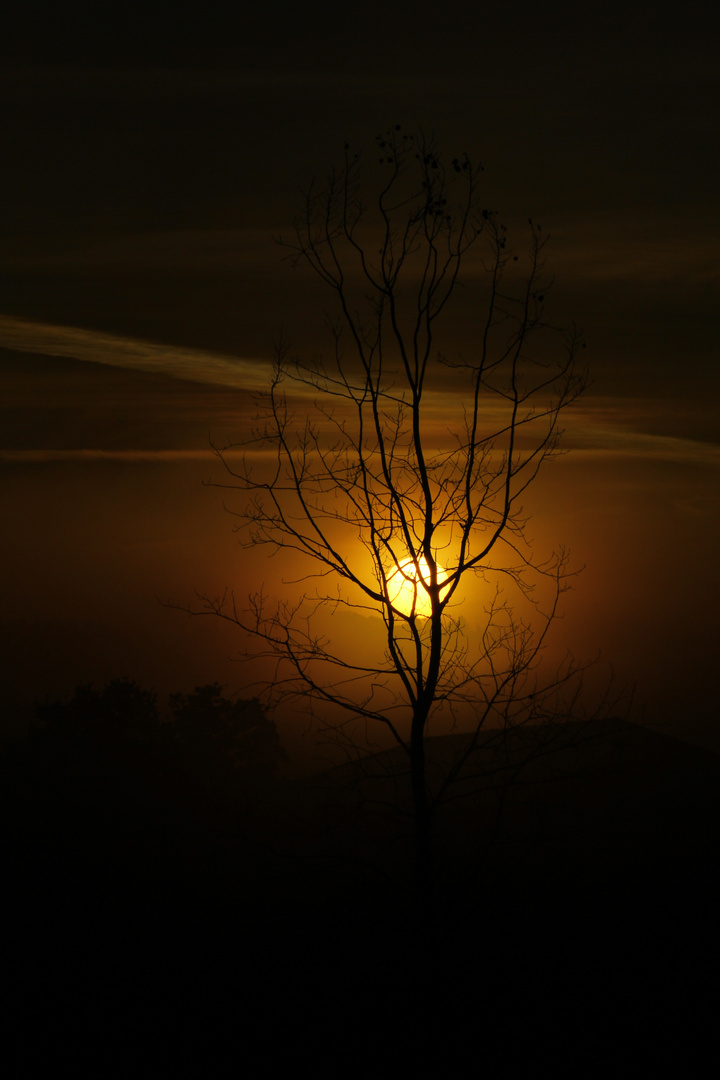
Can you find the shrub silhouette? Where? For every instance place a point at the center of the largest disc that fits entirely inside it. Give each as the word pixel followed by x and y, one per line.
pixel 107 757
pixel 218 732
pixel 121 710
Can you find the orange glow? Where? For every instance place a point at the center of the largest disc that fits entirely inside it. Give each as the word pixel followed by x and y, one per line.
pixel 406 587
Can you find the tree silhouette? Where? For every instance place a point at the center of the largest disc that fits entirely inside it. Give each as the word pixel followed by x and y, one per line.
pixel 237 732
pixel 122 708
pixel 111 746
pixel 391 511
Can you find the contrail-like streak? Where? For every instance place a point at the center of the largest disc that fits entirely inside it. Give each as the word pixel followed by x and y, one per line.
pixel 193 365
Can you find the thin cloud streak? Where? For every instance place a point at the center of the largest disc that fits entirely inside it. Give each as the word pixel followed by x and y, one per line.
pixel 581 445
pixel 604 427
pixel 620 428
pixel 41 457
pixel 193 365
pixel 169 250
pixel 652 448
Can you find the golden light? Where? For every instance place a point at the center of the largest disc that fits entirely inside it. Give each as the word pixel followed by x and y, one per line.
pixel 406 590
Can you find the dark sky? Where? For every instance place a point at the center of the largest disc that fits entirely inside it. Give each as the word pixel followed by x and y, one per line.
pixel 153 157
pixel 152 154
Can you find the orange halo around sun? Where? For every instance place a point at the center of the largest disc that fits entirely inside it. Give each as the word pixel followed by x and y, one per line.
pixel 405 589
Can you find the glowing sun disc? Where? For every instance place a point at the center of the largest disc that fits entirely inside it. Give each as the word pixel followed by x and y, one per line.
pixel 406 591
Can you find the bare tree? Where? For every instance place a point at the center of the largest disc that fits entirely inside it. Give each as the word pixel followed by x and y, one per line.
pixel 393 512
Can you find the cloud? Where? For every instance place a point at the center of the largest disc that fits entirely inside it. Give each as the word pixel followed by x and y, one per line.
pixel 41 457
pixel 168 250
pixel 620 429
pixel 680 252
pixel 599 427
pixel 193 365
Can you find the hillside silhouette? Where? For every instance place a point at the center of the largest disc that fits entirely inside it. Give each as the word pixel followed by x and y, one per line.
pixel 575 864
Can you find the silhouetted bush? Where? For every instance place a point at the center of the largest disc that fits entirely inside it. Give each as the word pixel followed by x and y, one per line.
pixel 122 709
pixel 107 760
pixel 220 733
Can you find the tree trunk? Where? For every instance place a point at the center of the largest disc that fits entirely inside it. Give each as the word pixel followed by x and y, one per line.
pixel 424 883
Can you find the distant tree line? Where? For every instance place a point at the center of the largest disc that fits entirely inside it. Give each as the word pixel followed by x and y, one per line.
pixel 111 759
pixel 206 727
pixel 136 838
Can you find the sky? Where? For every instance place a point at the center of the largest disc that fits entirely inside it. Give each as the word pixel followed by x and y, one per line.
pixel 156 158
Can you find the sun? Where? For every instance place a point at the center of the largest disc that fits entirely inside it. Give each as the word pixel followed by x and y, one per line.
pixel 405 587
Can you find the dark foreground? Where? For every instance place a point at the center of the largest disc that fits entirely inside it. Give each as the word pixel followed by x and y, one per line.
pixel 151 925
